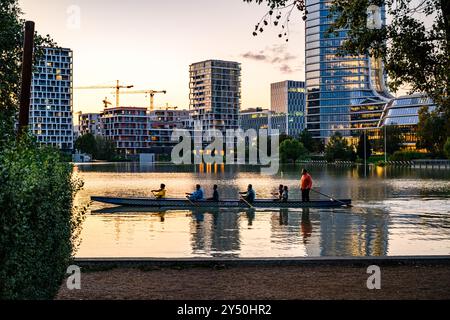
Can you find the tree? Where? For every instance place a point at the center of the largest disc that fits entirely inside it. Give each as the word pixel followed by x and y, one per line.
pixel 105 149
pixel 364 150
pixel 394 139
pixel 292 150
pixel 11 42
pixel 311 144
pixel 430 131
pixel 338 149
pixel 86 144
pixel 38 220
pixel 447 148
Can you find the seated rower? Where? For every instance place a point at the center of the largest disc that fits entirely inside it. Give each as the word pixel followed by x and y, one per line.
pixel 279 194
pixel 215 196
pixel 161 193
pixel 285 195
pixel 197 195
pixel 249 195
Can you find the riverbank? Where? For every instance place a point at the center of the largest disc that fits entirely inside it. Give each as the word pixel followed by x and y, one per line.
pixel 343 279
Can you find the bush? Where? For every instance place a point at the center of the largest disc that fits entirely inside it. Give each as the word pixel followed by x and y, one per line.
pixel 407 156
pixel 38 224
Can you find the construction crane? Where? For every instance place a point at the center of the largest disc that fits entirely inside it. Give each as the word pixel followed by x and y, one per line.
pixel 117 87
pixel 106 102
pixel 151 93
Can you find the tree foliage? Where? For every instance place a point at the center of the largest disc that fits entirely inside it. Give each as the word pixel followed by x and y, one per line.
pixel 311 144
pixel 292 150
pixel 38 222
pixel 339 149
pixel 447 148
pixel 431 131
pixel 39 226
pixel 96 146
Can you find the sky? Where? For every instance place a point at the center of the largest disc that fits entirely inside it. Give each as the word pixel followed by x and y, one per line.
pixel 150 44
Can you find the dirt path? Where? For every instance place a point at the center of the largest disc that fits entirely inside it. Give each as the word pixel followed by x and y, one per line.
pixel 284 283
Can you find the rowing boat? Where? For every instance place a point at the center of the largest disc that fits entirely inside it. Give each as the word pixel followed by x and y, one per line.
pixel 184 203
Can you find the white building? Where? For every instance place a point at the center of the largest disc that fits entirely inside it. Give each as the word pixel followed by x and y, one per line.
pixel 215 93
pixel 51 106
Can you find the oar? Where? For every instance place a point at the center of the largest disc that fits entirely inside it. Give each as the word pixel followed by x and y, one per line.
pixel 247 203
pixel 333 199
pixel 187 197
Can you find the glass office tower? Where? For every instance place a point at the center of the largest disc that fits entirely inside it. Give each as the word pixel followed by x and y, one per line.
pixel 345 94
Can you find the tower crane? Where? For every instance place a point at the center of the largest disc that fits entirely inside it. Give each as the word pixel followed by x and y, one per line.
pixel 117 87
pixel 151 93
pixel 106 102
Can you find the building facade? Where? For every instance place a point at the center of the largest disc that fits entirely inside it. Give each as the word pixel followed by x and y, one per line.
pixel 89 123
pixel 51 105
pixel 128 127
pixel 403 112
pixel 288 100
pixel 161 126
pixel 345 94
pixel 215 94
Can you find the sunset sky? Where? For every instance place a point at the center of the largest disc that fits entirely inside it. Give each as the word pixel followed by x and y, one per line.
pixel 150 44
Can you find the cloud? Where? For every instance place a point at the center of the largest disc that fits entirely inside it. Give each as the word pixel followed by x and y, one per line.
pixel 276 55
pixel 255 56
pixel 286 69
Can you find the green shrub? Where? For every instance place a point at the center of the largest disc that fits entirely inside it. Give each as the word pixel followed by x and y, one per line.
pixel 407 156
pixel 39 226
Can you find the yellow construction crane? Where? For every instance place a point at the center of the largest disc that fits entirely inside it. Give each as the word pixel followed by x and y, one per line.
pixel 151 93
pixel 117 87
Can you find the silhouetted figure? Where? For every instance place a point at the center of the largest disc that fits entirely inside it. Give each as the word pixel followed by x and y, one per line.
pixel 306 184
pixel 215 196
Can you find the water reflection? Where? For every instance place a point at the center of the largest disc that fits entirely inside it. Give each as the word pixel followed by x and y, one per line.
pixel 396 212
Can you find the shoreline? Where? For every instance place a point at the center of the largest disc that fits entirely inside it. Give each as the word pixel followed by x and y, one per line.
pixel 260 279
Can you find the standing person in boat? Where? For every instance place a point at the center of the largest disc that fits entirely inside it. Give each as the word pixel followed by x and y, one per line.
pixel 306 184
pixel 197 195
pixel 285 195
pixel 215 196
pixel 279 194
pixel 249 195
pixel 160 193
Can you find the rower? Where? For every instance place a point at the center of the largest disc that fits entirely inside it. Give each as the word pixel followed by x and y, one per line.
pixel 285 195
pixel 249 195
pixel 215 196
pixel 306 184
pixel 197 195
pixel 161 193
pixel 279 194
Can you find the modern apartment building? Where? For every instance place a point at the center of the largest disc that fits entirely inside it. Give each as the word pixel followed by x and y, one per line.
pixel 161 125
pixel 215 93
pixel 128 127
pixel 51 105
pixel 288 99
pixel 89 123
pixel 344 93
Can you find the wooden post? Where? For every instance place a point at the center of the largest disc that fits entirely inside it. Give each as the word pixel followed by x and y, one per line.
pixel 27 70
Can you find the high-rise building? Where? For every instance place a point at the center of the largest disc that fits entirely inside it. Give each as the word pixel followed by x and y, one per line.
pixel 344 93
pixel 51 105
pixel 215 93
pixel 288 99
pixel 128 127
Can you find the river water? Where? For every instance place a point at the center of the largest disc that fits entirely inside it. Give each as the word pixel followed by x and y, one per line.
pixel 397 211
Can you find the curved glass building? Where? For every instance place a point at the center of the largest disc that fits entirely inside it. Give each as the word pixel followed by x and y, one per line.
pixel 345 94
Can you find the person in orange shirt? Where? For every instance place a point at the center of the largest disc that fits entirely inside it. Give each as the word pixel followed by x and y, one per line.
pixel 306 184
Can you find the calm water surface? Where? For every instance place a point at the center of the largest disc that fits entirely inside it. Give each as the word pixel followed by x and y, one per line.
pixel 398 211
